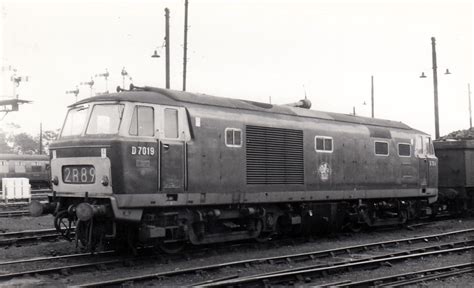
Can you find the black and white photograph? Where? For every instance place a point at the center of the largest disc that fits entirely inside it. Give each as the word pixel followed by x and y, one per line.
pixel 243 143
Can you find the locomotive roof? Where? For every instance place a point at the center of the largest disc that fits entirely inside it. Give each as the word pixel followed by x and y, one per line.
pixel 179 98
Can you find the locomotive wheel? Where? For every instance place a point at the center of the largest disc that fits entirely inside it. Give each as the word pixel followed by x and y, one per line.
pixel 262 236
pixel 171 247
pixel 63 224
pixel 352 223
pixel 354 227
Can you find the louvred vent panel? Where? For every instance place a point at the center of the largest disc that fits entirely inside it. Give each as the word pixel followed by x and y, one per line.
pixel 274 155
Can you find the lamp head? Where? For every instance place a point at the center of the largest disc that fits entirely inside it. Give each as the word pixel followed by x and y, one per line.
pixel 155 55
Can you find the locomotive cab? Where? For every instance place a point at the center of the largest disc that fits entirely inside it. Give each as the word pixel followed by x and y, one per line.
pixel 112 152
pixel 101 142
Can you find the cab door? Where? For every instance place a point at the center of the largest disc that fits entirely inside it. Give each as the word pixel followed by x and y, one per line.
pixel 172 152
pixel 432 163
pixel 171 165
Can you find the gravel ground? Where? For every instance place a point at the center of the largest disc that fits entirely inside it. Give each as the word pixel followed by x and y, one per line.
pixel 228 253
pixel 13 224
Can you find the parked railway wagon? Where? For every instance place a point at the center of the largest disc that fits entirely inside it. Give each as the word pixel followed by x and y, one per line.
pixel 33 167
pixel 169 168
pixel 456 175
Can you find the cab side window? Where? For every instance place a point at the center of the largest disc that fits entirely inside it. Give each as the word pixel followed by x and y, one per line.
pixel 143 120
pixel 381 148
pixel 323 144
pixel 233 137
pixel 171 123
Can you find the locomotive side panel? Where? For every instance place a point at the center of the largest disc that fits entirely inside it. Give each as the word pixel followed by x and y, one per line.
pixel 286 169
pixel 213 166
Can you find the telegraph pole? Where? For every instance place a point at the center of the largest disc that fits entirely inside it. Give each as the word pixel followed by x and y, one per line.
pixel 167 39
pixel 185 46
pixel 435 86
pixel 372 95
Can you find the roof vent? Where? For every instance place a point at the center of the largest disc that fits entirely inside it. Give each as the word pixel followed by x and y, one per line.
pixel 303 103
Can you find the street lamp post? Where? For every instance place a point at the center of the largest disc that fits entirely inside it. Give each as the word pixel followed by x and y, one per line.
pixel 167 47
pixel 167 15
pixel 372 95
pixel 435 84
pixel 185 46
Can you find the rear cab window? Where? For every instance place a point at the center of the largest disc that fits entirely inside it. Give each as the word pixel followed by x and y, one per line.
pixel 404 149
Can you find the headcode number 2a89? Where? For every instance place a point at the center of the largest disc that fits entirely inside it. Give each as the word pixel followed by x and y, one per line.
pixel 142 150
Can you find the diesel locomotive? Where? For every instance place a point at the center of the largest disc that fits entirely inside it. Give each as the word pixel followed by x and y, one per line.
pixel 164 167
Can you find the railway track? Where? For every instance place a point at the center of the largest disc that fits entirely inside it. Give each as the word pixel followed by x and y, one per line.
pixel 409 278
pixel 308 273
pixel 52 258
pixel 14 213
pixel 27 236
pixel 310 256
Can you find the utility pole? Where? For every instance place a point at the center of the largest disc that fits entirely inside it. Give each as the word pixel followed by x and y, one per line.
pixel 435 86
pixel 470 112
pixel 167 39
pixel 185 46
pixel 372 95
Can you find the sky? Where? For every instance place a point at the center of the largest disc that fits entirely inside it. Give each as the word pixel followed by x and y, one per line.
pixel 255 50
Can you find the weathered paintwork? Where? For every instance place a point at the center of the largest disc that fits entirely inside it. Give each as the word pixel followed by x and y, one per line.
pixel 198 168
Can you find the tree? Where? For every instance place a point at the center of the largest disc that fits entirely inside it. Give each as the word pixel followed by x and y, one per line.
pixel 48 137
pixel 4 147
pixel 25 144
